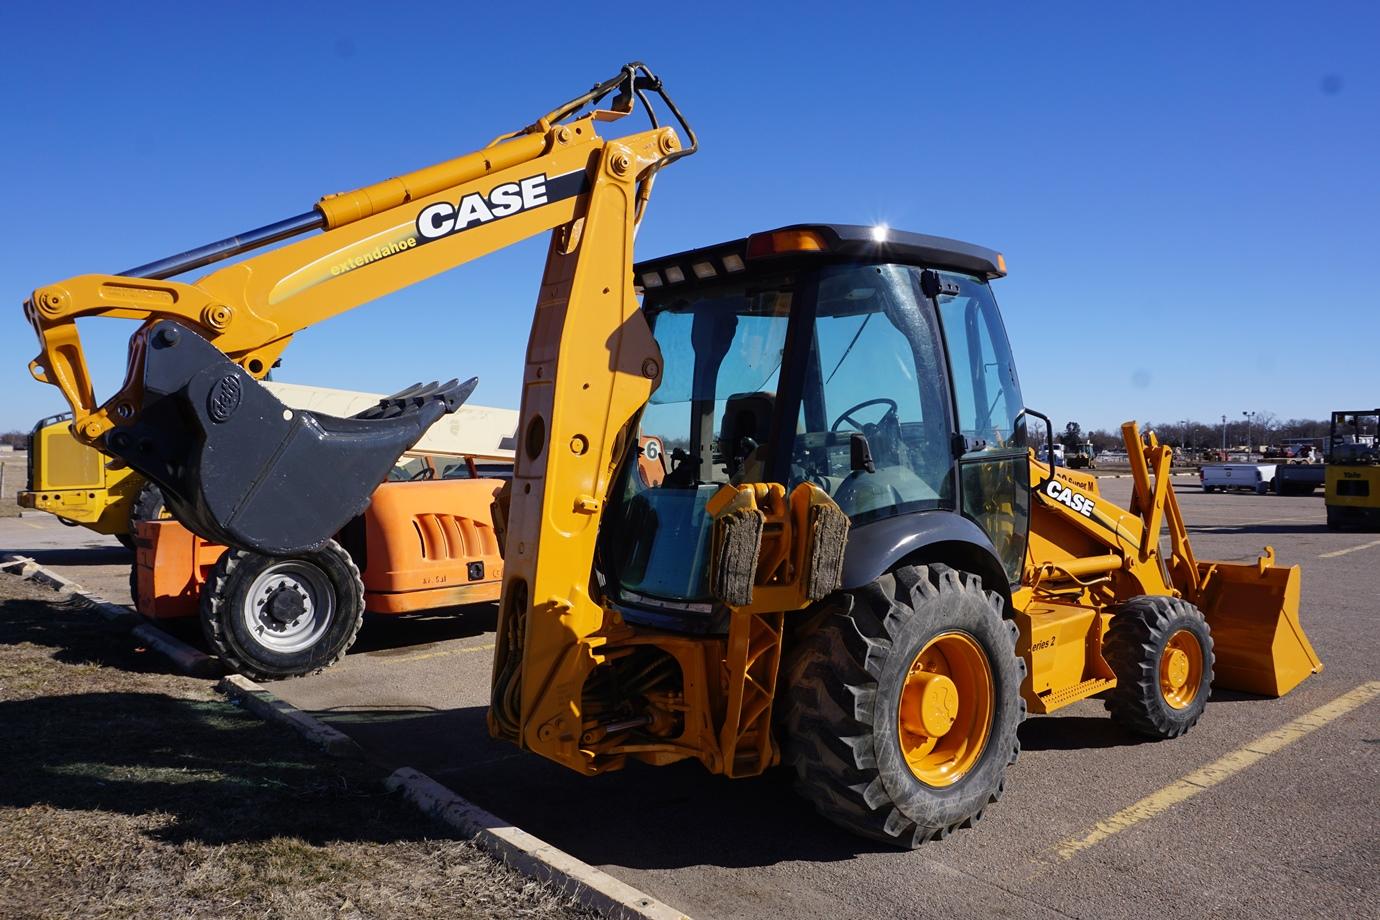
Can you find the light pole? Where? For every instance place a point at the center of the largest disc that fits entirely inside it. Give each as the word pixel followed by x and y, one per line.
pixel 1224 439
pixel 1250 417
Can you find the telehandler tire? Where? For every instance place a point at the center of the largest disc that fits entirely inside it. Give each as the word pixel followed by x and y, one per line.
pixel 148 506
pixel 902 701
pixel 271 617
pixel 1160 649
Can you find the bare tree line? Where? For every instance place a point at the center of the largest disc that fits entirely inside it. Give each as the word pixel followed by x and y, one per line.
pixel 1265 429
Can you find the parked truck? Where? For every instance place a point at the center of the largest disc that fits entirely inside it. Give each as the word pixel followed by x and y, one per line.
pixel 1229 477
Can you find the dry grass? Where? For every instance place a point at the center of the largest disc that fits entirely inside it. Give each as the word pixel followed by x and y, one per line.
pixel 129 792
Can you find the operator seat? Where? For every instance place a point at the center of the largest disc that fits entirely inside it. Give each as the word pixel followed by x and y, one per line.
pixel 743 434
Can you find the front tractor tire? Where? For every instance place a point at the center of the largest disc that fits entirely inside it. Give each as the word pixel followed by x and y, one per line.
pixel 272 617
pixel 1160 649
pixel 902 704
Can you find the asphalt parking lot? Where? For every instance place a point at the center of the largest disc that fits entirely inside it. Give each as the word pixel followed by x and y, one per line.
pixel 1268 808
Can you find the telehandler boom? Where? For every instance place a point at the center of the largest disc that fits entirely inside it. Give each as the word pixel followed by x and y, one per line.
pixel 785 509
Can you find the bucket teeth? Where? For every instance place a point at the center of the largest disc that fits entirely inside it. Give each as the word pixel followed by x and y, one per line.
pixel 451 394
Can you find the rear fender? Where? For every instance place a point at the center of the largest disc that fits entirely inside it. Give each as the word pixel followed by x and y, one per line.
pixel 917 538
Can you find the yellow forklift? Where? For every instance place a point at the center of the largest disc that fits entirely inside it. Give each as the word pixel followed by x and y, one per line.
pixel 846 557
pixel 1352 481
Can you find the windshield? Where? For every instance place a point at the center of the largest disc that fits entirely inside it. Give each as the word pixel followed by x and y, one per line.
pixel 865 378
pixel 1354 438
pixel 706 424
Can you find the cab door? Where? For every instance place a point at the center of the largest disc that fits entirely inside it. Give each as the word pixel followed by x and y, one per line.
pixel 993 472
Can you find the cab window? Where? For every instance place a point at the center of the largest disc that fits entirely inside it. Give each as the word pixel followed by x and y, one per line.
pixel 874 382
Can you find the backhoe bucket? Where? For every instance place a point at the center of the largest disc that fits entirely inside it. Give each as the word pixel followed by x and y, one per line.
pixel 238 467
pixel 1253 612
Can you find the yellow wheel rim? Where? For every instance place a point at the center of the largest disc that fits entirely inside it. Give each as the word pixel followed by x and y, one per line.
pixel 1181 669
pixel 945 713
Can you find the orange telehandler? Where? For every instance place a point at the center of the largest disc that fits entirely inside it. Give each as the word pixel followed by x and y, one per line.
pixel 849 558
pixel 425 544
pixel 420 547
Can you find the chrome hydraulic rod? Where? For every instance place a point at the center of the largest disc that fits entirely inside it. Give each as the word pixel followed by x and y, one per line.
pixel 229 247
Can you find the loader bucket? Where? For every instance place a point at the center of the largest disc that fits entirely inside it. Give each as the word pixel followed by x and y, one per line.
pixel 238 467
pixel 1253 612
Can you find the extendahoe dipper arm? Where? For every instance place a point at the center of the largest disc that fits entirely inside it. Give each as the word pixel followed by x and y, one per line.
pixel 190 414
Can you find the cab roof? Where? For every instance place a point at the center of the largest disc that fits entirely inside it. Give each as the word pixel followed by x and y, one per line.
pixel 828 240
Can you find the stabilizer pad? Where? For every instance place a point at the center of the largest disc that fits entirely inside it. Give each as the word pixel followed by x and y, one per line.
pixel 238 467
pixel 733 560
pixel 829 535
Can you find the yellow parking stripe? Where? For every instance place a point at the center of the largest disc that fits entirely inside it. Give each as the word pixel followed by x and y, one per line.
pixel 1221 769
pixel 1228 525
pixel 1353 549
pixel 443 653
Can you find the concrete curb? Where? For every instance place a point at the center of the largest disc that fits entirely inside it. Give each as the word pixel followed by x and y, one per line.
pixel 530 855
pixel 182 656
pixel 526 853
pixel 267 706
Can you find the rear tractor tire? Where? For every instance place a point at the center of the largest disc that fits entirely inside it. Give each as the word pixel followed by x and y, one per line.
pixel 271 617
pixel 1161 652
pixel 901 705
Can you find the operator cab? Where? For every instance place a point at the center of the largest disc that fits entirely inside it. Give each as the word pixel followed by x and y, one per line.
pixel 870 363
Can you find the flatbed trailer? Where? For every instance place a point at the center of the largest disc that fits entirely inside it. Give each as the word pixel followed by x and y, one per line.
pixel 1299 478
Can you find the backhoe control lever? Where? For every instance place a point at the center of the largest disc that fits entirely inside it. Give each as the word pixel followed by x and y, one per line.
pixel 238 467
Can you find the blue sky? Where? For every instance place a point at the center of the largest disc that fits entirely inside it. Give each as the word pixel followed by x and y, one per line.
pixel 1187 194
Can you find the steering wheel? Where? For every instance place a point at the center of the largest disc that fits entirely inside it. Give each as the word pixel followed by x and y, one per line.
pixel 847 415
pixel 425 472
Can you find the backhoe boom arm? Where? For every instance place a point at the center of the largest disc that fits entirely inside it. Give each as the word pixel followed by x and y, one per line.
pixel 172 417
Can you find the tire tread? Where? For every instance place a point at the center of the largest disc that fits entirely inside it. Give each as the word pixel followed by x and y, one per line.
pixel 214 597
pixel 1139 628
pixel 833 675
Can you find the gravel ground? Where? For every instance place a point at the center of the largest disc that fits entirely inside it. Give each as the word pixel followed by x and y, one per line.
pixel 130 792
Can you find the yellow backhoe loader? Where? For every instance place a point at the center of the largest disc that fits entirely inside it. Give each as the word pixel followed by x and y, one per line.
pixel 82 487
pixel 782 510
